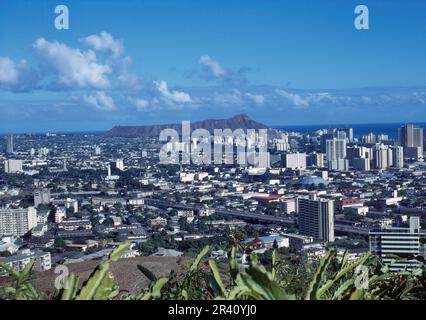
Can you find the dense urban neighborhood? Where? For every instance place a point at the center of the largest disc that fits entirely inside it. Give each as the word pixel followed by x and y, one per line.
pixel 72 198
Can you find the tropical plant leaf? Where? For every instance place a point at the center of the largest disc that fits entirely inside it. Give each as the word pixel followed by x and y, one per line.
pixel 119 251
pixel 217 278
pixel 319 275
pixel 71 287
pixel 195 265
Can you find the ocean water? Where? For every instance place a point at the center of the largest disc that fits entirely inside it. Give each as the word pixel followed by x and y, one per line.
pixel 390 129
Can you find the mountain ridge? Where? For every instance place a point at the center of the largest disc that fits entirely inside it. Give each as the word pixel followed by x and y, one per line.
pixel 240 121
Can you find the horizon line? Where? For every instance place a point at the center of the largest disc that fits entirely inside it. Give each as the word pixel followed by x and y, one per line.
pixel 325 126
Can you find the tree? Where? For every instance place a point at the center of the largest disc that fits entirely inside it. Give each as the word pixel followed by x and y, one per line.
pixel 59 243
pixel 275 244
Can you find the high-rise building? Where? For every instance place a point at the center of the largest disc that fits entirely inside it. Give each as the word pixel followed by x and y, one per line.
pixel 335 149
pixel 336 154
pixel 12 166
pixel 338 165
pixel 323 141
pixel 17 222
pixel 117 165
pixel 361 164
pixel 282 144
pixel 316 218
pixel 411 136
pixel 316 160
pixel 9 144
pixel 349 133
pixel 398 156
pixel 357 152
pixel 295 160
pixel 41 196
pixel 408 243
pixel 382 156
pixel 369 138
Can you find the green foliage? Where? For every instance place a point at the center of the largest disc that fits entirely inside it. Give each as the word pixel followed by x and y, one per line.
pixel 100 285
pixel 22 288
pixel 332 277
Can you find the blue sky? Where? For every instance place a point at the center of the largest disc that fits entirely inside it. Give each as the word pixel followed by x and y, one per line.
pixel 140 62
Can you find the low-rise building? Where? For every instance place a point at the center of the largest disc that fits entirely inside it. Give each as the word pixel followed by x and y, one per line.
pixel 42 260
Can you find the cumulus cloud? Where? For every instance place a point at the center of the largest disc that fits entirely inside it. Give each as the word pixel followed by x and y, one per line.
pixel 72 68
pixel 16 76
pixel 294 98
pixel 100 101
pixel 212 66
pixel 172 96
pixel 115 59
pixel 8 71
pixel 104 42
pixel 139 104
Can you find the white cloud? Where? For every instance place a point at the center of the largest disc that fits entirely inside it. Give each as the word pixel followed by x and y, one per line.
pixel 104 42
pixel 256 98
pixel 294 98
pixel 117 61
pixel 72 67
pixel 172 96
pixel 8 71
pixel 139 104
pixel 16 76
pixel 100 101
pixel 213 66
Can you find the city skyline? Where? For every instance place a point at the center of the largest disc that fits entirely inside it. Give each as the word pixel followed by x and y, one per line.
pixel 163 62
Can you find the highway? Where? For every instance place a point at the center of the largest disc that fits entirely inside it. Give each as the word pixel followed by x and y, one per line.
pixel 250 217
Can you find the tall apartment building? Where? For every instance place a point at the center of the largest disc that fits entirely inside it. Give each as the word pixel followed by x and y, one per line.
pixel 323 141
pixel 17 222
pixel 405 242
pixel 411 138
pixel 382 157
pixel 316 160
pixel 336 154
pixel 349 133
pixel 9 144
pixel 12 166
pixel 369 138
pixel 398 156
pixel 316 218
pixel 295 160
pixel 361 164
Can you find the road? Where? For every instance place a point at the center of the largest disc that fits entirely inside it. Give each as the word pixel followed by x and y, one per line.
pixel 251 217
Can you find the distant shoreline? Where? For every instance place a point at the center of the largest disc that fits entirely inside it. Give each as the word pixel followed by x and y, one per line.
pixel 360 129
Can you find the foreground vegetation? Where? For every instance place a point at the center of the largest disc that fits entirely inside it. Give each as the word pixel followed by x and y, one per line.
pixel 276 278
